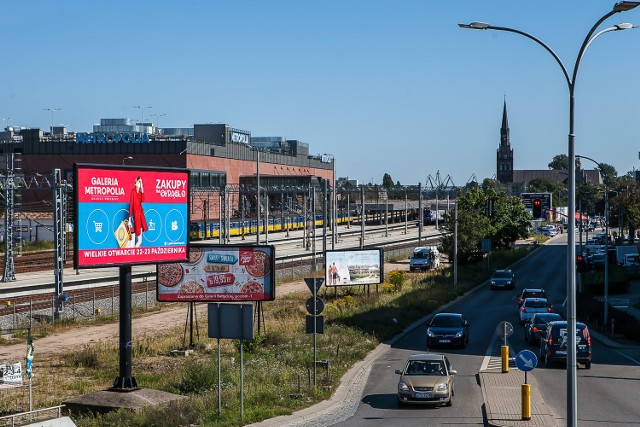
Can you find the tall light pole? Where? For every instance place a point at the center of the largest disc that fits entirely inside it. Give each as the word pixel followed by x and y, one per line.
pixel 52 110
pixel 606 240
pixel 258 196
pixel 157 116
pixel 623 6
pixel 141 108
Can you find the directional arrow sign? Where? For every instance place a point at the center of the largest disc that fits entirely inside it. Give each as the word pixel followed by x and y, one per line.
pixel 526 360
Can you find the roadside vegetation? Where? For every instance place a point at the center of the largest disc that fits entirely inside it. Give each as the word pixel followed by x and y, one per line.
pixel 278 363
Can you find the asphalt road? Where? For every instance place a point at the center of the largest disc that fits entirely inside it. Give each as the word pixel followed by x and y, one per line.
pixel 607 393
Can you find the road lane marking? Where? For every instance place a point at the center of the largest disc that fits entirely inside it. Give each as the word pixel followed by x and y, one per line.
pixel 628 357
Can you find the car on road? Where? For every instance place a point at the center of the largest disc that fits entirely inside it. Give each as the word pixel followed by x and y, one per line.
pixel 450 329
pixel 535 326
pixel 531 306
pixel 503 279
pixel 553 344
pixel 427 378
pixel 531 293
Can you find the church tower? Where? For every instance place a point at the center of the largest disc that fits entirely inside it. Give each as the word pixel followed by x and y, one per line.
pixel 504 163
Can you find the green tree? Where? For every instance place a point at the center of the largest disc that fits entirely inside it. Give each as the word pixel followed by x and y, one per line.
pixel 509 221
pixel 589 198
pixel 560 162
pixel 387 182
pixel 609 174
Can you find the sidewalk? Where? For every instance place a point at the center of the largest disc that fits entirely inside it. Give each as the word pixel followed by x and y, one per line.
pixel 502 393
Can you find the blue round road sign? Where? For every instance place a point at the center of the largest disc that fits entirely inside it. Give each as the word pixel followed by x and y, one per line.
pixel 526 360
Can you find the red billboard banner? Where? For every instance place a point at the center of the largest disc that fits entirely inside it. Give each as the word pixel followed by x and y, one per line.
pixel 217 273
pixel 130 215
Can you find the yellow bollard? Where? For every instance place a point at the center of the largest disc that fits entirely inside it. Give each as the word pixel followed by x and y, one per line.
pixel 505 359
pixel 526 401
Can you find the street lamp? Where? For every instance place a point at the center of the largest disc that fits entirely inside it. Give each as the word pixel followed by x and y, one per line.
pixel 125 159
pixel 141 108
pixel 334 229
pixel 606 240
pixel 157 116
pixel 623 6
pixel 52 110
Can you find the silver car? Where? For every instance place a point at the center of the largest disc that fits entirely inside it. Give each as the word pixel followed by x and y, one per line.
pixel 427 378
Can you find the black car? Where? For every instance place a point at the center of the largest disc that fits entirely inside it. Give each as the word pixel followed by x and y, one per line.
pixel 450 329
pixel 535 326
pixel 502 279
pixel 531 293
pixel 553 344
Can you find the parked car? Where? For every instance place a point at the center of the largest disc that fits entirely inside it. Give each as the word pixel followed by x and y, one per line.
pixel 426 379
pixel 448 329
pixel 504 279
pixel 531 293
pixel 553 344
pixel 531 306
pixel 535 326
pixel 424 258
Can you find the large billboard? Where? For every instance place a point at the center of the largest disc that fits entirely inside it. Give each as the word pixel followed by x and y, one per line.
pixel 353 267
pixel 130 215
pixel 216 273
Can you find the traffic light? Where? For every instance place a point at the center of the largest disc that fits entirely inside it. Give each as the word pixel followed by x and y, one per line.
pixel 580 265
pixel 537 208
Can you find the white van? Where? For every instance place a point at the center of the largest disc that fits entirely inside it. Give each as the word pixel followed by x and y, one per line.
pixel 424 258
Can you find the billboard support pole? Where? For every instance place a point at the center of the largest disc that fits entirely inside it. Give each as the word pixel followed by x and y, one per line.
pixel 125 381
pixel 363 217
pixel 324 218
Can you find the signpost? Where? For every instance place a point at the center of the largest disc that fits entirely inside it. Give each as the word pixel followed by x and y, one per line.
pixel 504 330
pixel 526 361
pixel 315 306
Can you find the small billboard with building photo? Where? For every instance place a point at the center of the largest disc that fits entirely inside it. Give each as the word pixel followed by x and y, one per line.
pixel 354 267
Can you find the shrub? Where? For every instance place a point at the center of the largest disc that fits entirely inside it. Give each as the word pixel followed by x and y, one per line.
pixel 397 278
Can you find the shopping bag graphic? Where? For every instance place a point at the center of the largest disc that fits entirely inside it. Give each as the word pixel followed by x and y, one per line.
pixel 123 234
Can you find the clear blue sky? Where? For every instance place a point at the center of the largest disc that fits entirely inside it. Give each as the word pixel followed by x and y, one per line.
pixel 386 86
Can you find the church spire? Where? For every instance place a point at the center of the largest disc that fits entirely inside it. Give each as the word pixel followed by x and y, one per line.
pixel 504 164
pixel 504 130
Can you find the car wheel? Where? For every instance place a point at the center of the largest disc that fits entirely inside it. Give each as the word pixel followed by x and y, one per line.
pixel 450 402
pixel 587 365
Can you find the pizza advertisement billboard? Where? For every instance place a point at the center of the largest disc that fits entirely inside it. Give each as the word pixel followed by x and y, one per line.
pixel 130 215
pixel 354 267
pixel 219 273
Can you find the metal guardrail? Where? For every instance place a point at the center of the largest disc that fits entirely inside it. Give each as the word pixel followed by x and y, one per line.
pixel 24 418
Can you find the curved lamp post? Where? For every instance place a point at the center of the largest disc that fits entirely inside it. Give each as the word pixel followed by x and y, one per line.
pixel 623 6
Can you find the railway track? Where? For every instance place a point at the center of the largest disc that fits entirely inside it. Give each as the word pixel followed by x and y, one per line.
pixel 42 298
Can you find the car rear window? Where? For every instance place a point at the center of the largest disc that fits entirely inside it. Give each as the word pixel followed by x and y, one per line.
pixel 532 294
pixel 542 319
pixel 536 304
